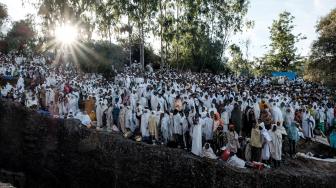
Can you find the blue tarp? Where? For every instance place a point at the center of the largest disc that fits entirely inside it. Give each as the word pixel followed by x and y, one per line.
pixel 289 75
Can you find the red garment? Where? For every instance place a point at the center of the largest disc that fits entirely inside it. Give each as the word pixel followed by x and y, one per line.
pixel 67 89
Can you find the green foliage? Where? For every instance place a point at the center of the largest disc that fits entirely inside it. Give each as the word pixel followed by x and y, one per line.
pixel 283 53
pixel 21 36
pixel 322 62
pixel 199 35
pixel 238 63
pixel 3 13
pixel 192 33
pixel 99 57
pixel 150 56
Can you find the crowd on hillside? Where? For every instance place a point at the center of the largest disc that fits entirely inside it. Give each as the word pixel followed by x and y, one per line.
pixel 237 119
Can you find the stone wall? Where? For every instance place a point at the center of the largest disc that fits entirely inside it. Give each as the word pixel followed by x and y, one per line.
pixel 52 153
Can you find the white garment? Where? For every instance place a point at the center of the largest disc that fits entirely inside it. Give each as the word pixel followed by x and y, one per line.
pixel 208 153
pixel 277 114
pixel 197 140
pixel 306 126
pixel 330 116
pixel 208 129
pixel 177 121
pixel 276 144
pixel 236 162
pixel 99 115
pixel 266 148
pixel 225 117
pixel 144 124
pixel 165 130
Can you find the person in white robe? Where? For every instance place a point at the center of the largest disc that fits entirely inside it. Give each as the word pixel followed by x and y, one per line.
pixel 109 117
pixel 275 145
pixel 265 153
pixel 277 114
pixel 306 126
pixel 129 121
pixel 99 114
pixel 207 152
pixel 226 119
pixel 330 116
pixel 20 85
pixel 50 96
pixel 208 129
pixel 154 101
pixel 144 125
pixel 166 130
pixel 178 128
pixel 162 103
pixel 196 147
pixel 86 120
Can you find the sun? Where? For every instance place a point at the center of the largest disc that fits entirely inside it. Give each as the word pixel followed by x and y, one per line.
pixel 66 34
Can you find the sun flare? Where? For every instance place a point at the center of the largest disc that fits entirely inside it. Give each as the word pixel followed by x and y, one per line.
pixel 66 34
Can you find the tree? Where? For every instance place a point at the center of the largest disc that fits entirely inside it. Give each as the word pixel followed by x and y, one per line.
pixel 108 15
pixel 238 63
pixel 283 53
pixel 323 52
pixel 21 36
pixel 3 13
pixel 192 32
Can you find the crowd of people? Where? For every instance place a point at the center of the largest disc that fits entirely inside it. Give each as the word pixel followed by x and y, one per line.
pixel 237 119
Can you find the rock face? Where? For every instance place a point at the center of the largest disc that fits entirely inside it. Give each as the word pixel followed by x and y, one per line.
pixel 42 152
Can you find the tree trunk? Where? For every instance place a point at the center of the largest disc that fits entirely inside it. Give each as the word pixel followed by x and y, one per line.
pixel 110 38
pixel 161 36
pixel 177 33
pixel 142 47
pixel 129 40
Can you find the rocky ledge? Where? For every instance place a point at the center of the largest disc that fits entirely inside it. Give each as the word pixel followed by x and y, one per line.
pixel 36 151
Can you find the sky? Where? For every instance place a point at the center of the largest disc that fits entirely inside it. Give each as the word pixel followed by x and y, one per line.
pixel 263 12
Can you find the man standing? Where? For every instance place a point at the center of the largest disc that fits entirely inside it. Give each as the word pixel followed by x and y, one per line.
pixel 144 126
pixel 293 137
pixel 177 125
pixel 152 127
pixel 276 145
pixel 256 143
pixel 208 129
pixel 196 147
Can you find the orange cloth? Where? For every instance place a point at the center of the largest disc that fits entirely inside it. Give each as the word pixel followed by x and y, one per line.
pixel 92 116
pixel 89 105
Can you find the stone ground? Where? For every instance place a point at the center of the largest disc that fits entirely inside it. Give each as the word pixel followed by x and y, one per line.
pixel 5 185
